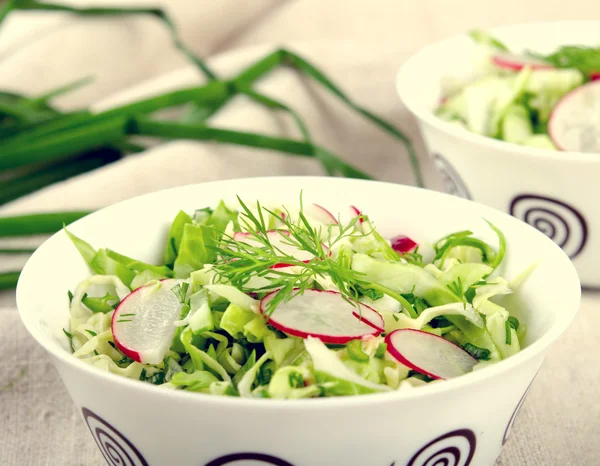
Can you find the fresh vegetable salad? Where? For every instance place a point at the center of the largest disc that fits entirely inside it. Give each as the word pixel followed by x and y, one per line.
pixel 279 303
pixel 544 101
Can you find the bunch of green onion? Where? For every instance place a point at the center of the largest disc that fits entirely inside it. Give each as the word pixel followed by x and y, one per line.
pixel 42 145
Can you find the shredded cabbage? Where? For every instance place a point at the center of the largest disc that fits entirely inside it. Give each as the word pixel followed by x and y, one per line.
pixel 512 104
pixel 225 345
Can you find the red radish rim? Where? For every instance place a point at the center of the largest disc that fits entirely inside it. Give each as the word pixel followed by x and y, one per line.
pixel 371 324
pixel 130 353
pixel 362 318
pixel 336 340
pixel 326 212
pixel 517 63
pixel 561 101
pixel 357 213
pixel 281 265
pixel 397 355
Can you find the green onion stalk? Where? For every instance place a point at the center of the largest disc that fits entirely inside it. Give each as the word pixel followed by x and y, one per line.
pixel 42 145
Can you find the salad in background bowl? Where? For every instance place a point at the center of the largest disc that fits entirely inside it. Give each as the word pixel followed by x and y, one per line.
pixel 510 118
pixel 207 286
pixel 546 101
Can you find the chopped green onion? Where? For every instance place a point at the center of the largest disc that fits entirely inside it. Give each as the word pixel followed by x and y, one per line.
pixel 180 290
pixel 476 352
pixel 296 379
pixel 513 322
pixel 105 304
pixel 380 351
pixel 356 352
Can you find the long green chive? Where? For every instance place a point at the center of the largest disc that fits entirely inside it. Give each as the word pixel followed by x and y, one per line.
pixel 176 130
pixel 44 176
pixel 37 224
pixel 94 11
pixel 9 280
pixel 46 145
pixel 17 251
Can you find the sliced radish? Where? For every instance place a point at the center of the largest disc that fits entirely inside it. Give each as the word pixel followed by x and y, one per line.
pixel 324 315
pixel 403 243
pixel 514 62
pixel 143 323
pixel 277 239
pixel 574 124
pixel 429 354
pixel 354 212
pixel 320 214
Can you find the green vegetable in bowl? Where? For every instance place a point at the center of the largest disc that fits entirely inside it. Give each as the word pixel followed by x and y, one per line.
pixel 280 303
pixel 515 97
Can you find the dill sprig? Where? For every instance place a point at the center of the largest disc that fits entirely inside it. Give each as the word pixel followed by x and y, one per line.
pixel 585 59
pixel 239 262
pixel 413 257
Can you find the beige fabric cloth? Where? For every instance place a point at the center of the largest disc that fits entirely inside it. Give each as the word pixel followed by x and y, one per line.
pixel 360 45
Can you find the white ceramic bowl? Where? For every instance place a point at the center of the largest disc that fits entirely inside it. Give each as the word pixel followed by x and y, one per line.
pixel 554 191
pixel 465 420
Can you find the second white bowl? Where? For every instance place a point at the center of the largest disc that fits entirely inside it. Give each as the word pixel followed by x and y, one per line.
pixel 555 192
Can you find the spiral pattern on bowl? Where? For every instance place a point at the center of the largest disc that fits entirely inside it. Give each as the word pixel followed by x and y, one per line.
pixel 259 458
pixel 559 221
pixel 453 182
pixel 455 448
pixel 116 449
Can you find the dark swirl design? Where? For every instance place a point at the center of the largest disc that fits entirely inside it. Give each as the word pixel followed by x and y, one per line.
pixel 116 449
pixel 455 448
pixel 513 418
pixel 257 457
pixel 560 222
pixel 452 180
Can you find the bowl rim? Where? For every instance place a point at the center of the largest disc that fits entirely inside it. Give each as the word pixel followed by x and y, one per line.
pixel 526 355
pixel 421 111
